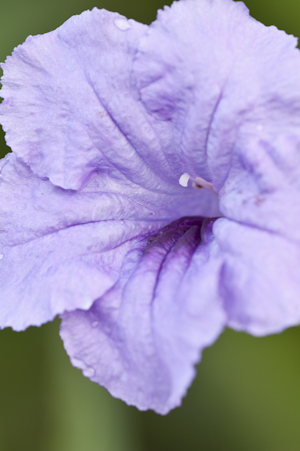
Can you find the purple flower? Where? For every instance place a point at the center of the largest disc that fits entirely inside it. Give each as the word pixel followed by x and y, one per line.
pixel 152 195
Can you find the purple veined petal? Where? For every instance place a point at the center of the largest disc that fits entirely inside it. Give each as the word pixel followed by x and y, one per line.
pixel 57 254
pixel 226 71
pixel 142 339
pixel 259 280
pixel 262 187
pixel 71 96
pixel 63 249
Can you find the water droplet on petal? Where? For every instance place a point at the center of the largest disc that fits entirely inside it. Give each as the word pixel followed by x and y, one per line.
pixel 122 24
pixel 88 371
pixel 1 256
pixel 95 323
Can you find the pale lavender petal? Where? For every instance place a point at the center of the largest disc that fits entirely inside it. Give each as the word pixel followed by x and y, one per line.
pixel 71 96
pixel 55 253
pixel 263 184
pixel 62 249
pixel 259 280
pixel 142 339
pixel 227 79
pixel 231 89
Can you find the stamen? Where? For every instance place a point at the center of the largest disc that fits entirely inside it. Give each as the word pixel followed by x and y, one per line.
pixel 202 183
pixel 198 182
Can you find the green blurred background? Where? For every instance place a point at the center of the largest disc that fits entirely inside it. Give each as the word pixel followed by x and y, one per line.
pixel 246 396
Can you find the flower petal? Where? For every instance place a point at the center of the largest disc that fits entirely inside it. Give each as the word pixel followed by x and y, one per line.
pixel 263 183
pixel 62 249
pixel 259 281
pixel 225 72
pixel 55 254
pixel 142 338
pixel 71 96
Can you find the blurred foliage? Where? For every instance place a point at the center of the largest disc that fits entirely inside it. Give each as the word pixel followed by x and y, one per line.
pixel 246 395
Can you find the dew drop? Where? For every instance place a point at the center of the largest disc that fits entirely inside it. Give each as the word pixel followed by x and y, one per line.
pixel 122 24
pixel 95 324
pixel 88 371
pixel 1 256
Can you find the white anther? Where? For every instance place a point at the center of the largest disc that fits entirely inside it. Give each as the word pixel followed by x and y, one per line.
pixel 198 182
pixel 184 179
